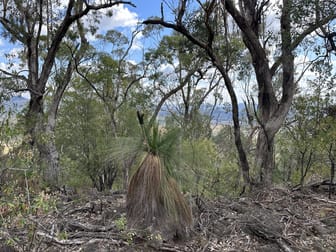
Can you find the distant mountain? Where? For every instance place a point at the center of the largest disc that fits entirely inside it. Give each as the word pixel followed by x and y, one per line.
pixel 220 113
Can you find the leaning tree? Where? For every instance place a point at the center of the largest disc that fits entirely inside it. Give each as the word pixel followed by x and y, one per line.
pixel 271 44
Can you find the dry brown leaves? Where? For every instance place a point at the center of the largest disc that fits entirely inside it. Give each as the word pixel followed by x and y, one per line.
pixel 276 220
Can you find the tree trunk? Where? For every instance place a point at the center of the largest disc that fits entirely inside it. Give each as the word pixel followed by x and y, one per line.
pixel 332 170
pixel 41 133
pixel 49 157
pixel 36 134
pixel 48 151
pixel 265 159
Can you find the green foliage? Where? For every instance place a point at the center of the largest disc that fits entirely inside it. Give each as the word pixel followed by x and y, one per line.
pixel 62 235
pixel 204 171
pixel 199 160
pixel 164 144
pixel 303 146
pixel 43 203
pixel 82 134
pixel 18 201
pixel 121 223
pixel 73 175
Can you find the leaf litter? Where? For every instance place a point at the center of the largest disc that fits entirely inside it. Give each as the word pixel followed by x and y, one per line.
pixel 272 220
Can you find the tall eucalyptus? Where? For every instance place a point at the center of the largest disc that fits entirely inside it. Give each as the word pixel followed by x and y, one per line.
pixel 295 24
pixel 40 27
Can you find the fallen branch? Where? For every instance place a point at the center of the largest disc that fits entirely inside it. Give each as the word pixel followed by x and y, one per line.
pixel 87 208
pixel 324 200
pixel 267 232
pixel 74 241
pixel 75 226
pixel 98 235
pixel 60 242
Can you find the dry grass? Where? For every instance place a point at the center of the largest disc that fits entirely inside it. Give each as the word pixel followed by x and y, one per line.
pixel 154 201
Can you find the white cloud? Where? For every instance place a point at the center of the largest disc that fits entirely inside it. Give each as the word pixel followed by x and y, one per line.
pixel 3 65
pixel 121 17
pixel 166 68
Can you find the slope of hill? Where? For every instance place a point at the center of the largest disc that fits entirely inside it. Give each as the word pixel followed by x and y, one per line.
pixel 270 220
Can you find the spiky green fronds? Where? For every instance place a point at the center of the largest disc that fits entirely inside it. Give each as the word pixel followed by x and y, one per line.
pixel 160 143
pixel 154 200
pixel 124 147
pixel 163 144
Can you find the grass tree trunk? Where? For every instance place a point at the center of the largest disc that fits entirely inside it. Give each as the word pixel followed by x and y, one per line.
pixel 155 203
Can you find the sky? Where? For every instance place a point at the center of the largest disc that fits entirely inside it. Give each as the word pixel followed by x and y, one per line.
pixel 147 8
pixel 126 15
pixel 125 18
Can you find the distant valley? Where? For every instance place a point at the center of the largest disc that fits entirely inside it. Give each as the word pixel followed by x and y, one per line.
pixel 220 114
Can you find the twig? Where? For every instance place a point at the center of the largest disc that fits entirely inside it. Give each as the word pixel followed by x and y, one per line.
pixel 90 227
pixel 324 200
pixel 73 241
pixel 205 246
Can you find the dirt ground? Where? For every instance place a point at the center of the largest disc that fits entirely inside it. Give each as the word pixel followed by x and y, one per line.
pixel 276 220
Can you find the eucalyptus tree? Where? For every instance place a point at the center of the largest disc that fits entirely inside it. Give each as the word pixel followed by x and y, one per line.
pixel 115 79
pixel 303 130
pixel 183 79
pixel 83 135
pixel 113 75
pixel 40 27
pixel 175 67
pixel 296 22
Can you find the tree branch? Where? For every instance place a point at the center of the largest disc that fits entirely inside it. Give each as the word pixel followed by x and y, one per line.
pixel 297 41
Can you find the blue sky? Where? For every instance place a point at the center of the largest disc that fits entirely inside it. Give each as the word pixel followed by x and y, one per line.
pixel 125 18
pixel 147 8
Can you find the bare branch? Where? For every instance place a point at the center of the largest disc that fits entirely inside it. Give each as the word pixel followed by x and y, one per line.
pixel 14 75
pixel 297 41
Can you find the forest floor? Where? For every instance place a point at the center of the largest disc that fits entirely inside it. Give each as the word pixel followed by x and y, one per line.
pixel 276 220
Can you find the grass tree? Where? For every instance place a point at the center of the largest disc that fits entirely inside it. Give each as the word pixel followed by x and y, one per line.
pixel 154 201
